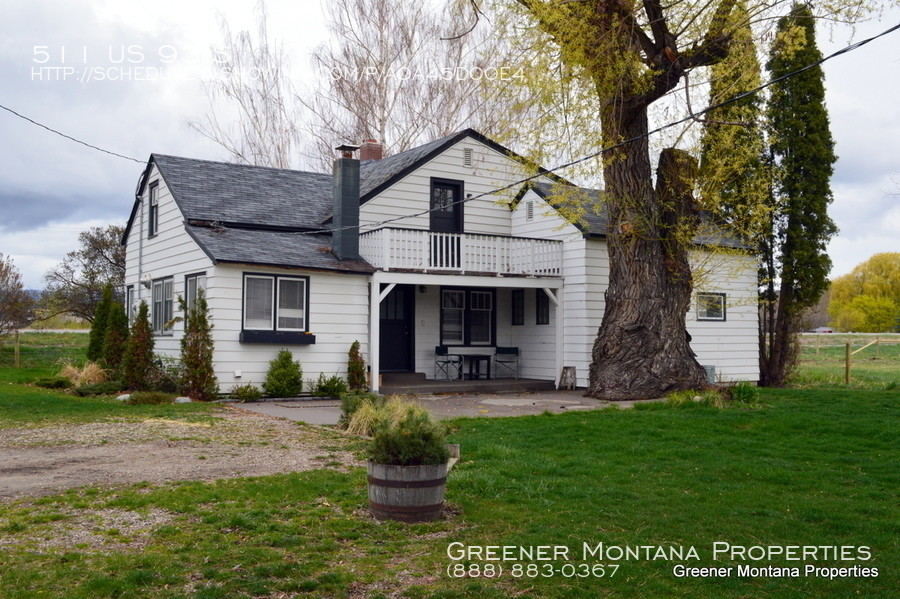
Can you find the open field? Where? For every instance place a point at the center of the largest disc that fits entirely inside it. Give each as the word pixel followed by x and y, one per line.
pixel 822 361
pixel 39 349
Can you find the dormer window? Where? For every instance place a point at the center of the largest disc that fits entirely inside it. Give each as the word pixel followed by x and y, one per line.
pixel 153 213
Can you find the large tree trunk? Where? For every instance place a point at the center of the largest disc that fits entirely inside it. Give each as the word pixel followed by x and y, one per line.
pixel 642 348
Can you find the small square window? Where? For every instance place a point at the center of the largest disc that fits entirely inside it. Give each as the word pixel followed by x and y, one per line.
pixel 710 306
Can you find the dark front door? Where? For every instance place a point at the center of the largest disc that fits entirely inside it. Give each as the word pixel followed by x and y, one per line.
pixel 396 344
pixel 446 217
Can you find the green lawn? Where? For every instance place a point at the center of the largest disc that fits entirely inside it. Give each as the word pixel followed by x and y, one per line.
pixel 808 468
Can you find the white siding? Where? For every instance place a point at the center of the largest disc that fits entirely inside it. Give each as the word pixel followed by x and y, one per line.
pixel 411 195
pixel 536 343
pixel 730 345
pixel 338 316
pixel 169 253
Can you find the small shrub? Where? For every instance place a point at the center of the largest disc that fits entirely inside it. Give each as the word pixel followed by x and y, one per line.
pixel 149 398
pixel 414 440
pixel 333 386
pixel 285 376
pixel 80 376
pixel 198 378
pixel 356 370
pixel 99 324
pixel 744 393
pixel 351 402
pixel 246 392
pixel 138 358
pixel 163 374
pixel 374 412
pixel 53 382
pixel 106 388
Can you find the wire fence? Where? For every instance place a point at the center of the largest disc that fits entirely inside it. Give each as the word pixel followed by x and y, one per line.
pixel 41 349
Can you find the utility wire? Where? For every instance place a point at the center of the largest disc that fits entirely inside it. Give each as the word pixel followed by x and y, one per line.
pixel 84 143
pixel 593 155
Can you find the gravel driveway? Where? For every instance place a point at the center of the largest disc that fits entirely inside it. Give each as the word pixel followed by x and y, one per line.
pixel 41 460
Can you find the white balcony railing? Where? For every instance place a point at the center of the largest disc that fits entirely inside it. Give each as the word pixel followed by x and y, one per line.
pixel 428 251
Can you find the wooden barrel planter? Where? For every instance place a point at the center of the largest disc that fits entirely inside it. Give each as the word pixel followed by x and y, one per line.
pixel 407 493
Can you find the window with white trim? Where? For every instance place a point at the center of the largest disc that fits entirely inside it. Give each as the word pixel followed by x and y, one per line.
pixel 275 303
pixel 153 212
pixel 162 304
pixel 130 309
pixel 193 284
pixel 468 316
pixel 453 311
pixel 711 306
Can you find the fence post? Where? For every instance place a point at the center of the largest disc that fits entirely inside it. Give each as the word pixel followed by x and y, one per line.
pixel 16 350
pixel 847 365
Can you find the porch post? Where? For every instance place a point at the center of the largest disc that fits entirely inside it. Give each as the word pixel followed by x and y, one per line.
pixel 560 335
pixel 374 331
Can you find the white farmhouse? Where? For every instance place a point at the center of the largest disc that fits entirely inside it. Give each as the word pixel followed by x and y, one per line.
pixel 440 249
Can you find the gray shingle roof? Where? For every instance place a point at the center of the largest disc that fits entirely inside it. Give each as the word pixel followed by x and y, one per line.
pixel 273 248
pixel 593 216
pixel 375 173
pixel 238 193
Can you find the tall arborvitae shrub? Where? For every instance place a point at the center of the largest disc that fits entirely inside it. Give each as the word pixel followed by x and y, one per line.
pixel 285 376
pixel 98 325
pixel 138 360
pixel 198 379
pixel 116 338
pixel 795 261
pixel 356 370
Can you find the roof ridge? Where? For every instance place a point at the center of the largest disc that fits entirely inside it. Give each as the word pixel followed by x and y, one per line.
pixel 239 164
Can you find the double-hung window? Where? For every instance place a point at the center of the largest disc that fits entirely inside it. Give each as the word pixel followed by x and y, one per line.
pixel 162 300
pixel 193 284
pixel 710 306
pixel 130 309
pixel 153 211
pixel 468 316
pixel 275 307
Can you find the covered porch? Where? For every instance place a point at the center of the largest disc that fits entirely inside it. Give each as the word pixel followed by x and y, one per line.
pixel 471 316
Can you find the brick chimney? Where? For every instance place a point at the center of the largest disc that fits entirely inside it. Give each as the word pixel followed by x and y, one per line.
pixel 371 150
pixel 345 190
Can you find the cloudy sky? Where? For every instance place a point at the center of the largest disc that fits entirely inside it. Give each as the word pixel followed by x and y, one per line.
pixel 126 76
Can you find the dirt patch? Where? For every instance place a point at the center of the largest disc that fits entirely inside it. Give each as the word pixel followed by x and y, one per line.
pixel 42 460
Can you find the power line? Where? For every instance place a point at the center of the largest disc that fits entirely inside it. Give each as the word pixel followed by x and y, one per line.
pixel 69 137
pixel 659 129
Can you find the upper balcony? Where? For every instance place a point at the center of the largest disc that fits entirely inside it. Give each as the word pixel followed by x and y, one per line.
pixel 463 253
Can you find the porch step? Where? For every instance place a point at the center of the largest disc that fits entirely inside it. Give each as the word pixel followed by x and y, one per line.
pixel 403 378
pixel 416 384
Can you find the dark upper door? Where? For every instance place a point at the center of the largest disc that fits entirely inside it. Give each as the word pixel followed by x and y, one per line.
pixel 446 206
pixel 446 217
pixel 396 343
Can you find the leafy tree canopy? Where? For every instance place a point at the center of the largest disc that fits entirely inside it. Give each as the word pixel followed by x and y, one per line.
pixel 75 285
pixel 867 299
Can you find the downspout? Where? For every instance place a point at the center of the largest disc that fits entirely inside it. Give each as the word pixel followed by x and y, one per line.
pixel 139 200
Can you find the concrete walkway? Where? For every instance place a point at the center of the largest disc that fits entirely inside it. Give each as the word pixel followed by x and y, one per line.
pixel 318 411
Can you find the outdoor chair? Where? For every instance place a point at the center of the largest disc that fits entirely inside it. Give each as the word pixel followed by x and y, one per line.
pixel 446 365
pixel 506 362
